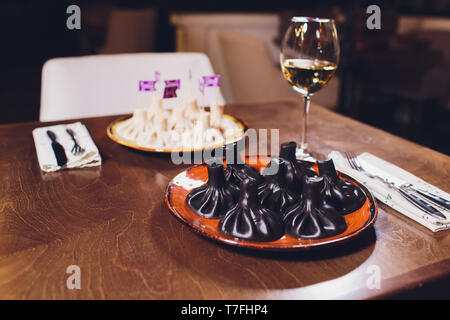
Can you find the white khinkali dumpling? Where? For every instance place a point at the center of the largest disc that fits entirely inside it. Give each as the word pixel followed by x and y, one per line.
pixel 186 127
pixel 216 118
pixel 177 120
pixel 132 128
pixel 154 136
pixel 187 139
pixel 191 110
pixel 200 127
pixel 156 107
pixel 172 139
pixel 213 136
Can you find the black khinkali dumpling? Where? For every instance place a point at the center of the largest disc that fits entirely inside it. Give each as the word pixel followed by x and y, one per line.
pixel 213 199
pixel 251 173
pixel 343 195
pixel 249 220
pixel 312 218
pixel 278 193
pixel 295 169
pixel 236 170
pixel 236 173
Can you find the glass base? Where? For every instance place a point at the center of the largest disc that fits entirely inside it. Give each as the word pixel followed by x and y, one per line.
pixel 303 154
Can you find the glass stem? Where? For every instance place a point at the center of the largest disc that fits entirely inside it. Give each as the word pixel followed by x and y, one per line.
pixel 304 145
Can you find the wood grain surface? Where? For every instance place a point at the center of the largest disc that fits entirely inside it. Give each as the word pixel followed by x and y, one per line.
pixel 112 222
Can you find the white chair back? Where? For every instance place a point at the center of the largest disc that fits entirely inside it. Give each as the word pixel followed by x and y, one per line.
pixel 100 85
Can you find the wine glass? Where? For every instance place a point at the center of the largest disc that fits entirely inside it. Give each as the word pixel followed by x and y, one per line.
pixel 309 58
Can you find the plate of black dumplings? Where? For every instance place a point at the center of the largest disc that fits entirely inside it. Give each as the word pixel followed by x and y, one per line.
pixel 271 203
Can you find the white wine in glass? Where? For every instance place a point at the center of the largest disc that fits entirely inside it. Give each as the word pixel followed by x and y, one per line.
pixel 309 58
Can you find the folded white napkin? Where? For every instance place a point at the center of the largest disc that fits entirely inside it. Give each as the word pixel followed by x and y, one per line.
pixel 46 156
pixel 388 195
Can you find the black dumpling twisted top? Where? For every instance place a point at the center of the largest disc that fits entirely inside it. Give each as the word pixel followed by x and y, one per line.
pixel 213 199
pixel 236 173
pixel 312 218
pixel 278 193
pixel 295 169
pixel 237 170
pixel 341 194
pixel 249 220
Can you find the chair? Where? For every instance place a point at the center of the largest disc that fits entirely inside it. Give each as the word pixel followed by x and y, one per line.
pixel 100 85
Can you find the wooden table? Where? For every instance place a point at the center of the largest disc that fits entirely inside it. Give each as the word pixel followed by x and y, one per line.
pixel 112 222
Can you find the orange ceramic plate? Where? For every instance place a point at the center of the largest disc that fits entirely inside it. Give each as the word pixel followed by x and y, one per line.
pixel 113 135
pixel 183 183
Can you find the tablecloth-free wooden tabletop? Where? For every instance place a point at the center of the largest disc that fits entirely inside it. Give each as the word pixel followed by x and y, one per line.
pixel 112 222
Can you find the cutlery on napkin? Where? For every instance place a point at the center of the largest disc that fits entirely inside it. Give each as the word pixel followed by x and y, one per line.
pixel 45 146
pixel 58 149
pixel 389 196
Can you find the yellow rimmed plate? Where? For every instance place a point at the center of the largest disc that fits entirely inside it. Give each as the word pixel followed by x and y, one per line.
pixel 114 136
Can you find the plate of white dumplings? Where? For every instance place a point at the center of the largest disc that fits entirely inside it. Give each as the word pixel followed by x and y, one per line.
pixel 184 128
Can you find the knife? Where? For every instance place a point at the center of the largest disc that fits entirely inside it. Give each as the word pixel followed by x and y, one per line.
pixel 399 185
pixel 58 149
pixel 432 197
pixel 421 204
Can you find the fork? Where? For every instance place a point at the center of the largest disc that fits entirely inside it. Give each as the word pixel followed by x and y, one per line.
pixel 418 202
pixel 77 149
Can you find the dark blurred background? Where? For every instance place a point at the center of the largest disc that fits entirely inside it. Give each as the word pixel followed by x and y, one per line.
pixel 396 78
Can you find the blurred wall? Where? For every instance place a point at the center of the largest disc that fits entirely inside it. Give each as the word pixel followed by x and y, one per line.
pixel 35 31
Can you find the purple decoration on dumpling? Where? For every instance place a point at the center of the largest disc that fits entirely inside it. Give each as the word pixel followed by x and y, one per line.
pixel 170 91
pixel 147 85
pixel 173 83
pixel 211 81
pixel 208 81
